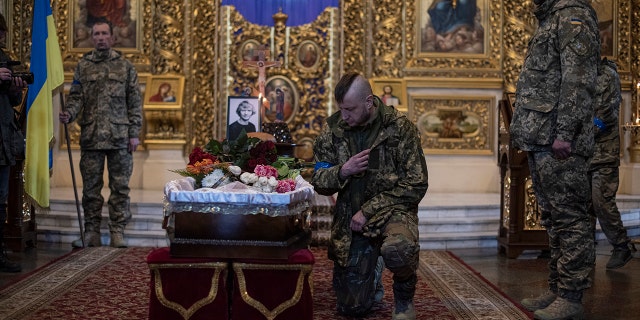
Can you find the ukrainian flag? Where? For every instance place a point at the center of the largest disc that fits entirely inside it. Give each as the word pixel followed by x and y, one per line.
pixel 46 65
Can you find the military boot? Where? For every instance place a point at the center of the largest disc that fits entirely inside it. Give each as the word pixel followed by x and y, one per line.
pixel 117 240
pixel 7 265
pixel 540 302
pixel 619 257
pixel 403 310
pixel 91 239
pixel 561 308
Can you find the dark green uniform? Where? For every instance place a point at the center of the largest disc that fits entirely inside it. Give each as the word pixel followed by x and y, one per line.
pixel 105 99
pixel 555 100
pixel 388 193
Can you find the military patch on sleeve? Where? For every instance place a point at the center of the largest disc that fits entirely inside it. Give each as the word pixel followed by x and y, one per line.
pixel 576 21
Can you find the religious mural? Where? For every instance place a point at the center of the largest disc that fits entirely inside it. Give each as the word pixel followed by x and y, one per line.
pixel 283 99
pixel 122 14
pixel 606 24
pixel 452 26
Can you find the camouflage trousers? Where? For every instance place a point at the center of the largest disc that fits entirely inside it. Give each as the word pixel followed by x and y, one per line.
pixel 563 193
pixel 120 167
pixel 355 285
pixel 604 186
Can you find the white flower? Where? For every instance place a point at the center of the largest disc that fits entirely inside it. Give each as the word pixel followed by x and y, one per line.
pixel 235 170
pixel 248 178
pixel 273 182
pixel 263 181
pixel 212 178
pixel 267 189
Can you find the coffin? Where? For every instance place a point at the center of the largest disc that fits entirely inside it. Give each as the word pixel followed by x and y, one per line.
pixel 235 221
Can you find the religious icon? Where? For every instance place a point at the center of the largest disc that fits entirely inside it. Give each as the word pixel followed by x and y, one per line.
pixel 452 26
pixel 606 13
pixel 248 50
pixel 388 98
pixel 164 94
pixel 120 13
pixel 308 54
pixel 164 90
pixel 283 99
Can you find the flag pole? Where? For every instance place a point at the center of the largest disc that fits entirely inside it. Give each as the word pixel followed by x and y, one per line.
pixel 73 174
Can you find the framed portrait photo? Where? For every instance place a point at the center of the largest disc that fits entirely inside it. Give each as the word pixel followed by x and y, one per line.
pixel 164 91
pixel 243 113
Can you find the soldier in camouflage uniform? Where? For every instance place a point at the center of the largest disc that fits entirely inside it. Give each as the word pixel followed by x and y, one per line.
pixel 605 164
pixel 553 122
pixel 371 156
pixel 105 100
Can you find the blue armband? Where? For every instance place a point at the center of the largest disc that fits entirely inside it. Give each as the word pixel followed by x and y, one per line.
pixel 599 123
pixel 322 165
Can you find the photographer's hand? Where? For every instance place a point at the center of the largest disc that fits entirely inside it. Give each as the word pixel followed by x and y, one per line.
pixel 17 85
pixel 5 74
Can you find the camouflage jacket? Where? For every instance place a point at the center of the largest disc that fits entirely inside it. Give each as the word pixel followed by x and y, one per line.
pixel 395 181
pixel 8 126
pixel 557 84
pixel 105 99
pixel 607 109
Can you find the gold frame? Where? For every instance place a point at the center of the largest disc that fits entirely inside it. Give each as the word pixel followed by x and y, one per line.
pixel 152 88
pixel 135 10
pixel 318 55
pixel 484 65
pixel 295 96
pixel 398 87
pixel 421 17
pixel 454 124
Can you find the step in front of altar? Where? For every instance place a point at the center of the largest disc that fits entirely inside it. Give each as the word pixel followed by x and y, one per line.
pixel 221 235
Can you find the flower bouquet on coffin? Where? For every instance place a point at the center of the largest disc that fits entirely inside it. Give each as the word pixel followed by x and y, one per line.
pixel 249 160
pixel 238 200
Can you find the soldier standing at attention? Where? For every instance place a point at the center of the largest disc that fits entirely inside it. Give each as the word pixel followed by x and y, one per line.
pixel 553 122
pixel 105 100
pixel 371 156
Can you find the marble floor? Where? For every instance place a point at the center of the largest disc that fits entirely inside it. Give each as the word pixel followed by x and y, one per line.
pixel 614 294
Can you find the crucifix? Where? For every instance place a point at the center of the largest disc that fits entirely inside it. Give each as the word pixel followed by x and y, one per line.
pixel 262 65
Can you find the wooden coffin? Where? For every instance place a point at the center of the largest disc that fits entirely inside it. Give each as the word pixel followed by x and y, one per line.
pixel 267 226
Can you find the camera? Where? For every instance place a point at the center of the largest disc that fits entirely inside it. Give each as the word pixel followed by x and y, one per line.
pixel 26 76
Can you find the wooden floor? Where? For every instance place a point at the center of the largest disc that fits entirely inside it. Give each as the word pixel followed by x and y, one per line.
pixel 614 294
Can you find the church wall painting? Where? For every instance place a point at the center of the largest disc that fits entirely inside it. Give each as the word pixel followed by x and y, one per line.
pixel 454 124
pixel 248 50
pixel 458 27
pixel 308 55
pixel 124 15
pixel 391 91
pixel 607 11
pixel 283 98
pixel 164 90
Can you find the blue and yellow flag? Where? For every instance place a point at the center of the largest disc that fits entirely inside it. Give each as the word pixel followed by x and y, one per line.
pixel 48 74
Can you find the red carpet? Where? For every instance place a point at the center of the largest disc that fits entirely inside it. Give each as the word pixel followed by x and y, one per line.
pixel 106 283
